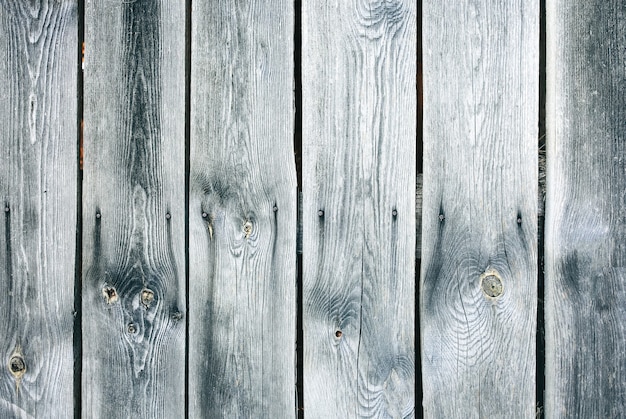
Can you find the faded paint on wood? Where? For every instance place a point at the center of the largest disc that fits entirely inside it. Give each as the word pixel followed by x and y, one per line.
pixel 359 133
pixel 585 246
pixel 134 210
pixel 479 242
pixel 242 211
pixel 38 185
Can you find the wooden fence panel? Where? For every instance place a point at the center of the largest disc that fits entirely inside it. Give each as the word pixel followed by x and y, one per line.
pixel 134 209
pixel 38 186
pixel 585 271
pixel 242 211
pixel 359 133
pixel 479 244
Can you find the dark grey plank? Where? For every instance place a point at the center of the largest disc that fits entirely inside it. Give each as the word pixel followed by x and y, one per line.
pixel 359 175
pixel 38 184
pixel 242 211
pixel 585 249
pixel 479 242
pixel 134 209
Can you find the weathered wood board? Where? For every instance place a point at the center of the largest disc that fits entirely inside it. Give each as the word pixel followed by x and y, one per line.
pixel 585 246
pixel 359 132
pixel 38 187
pixel 479 241
pixel 242 211
pixel 134 209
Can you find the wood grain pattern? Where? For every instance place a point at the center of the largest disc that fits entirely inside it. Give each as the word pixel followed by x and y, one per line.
pixel 359 133
pixel 586 210
pixel 134 210
pixel 242 211
pixel 38 185
pixel 479 208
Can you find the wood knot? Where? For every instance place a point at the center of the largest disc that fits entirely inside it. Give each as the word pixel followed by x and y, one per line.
pixel 109 294
pixel 247 229
pixel 338 334
pixel 491 284
pixel 17 366
pixel 132 329
pixel 147 296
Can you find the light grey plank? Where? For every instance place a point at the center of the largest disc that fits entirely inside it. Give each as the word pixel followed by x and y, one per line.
pixel 359 175
pixel 585 274
pixel 479 208
pixel 242 211
pixel 134 209
pixel 38 185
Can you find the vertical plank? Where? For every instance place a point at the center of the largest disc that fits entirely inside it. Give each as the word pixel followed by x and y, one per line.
pixel 38 186
pixel 242 211
pixel 134 209
pixel 359 133
pixel 586 210
pixel 479 243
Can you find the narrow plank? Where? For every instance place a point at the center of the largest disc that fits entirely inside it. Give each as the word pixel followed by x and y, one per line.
pixel 38 186
pixel 134 209
pixel 479 242
pixel 242 211
pixel 359 174
pixel 585 273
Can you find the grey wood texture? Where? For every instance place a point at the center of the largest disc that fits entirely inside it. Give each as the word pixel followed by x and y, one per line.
pixel 585 271
pixel 38 187
pixel 479 239
pixel 134 210
pixel 359 174
pixel 242 211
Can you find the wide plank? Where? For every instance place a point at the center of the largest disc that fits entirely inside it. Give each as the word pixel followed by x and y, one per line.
pixel 38 189
pixel 134 210
pixel 479 227
pixel 585 250
pixel 359 113
pixel 242 210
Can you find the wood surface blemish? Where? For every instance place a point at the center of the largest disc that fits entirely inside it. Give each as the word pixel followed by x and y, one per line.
pixel 491 284
pixel 110 294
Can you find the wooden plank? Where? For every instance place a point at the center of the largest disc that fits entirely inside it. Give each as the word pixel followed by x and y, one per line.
pixel 586 210
pixel 359 133
pixel 242 211
pixel 134 209
pixel 38 186
pixel 479 242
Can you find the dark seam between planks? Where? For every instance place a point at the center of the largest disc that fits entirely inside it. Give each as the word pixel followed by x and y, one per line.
pixel 540 331
pixel 78 263
pixel 297 139
pixel 419 154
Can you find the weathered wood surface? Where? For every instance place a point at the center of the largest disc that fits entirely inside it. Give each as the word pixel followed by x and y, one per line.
pixel 479 208
pixel 586 210
pixel 134 209
pixel 359 133
pixel 38 185
pixel 242 211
